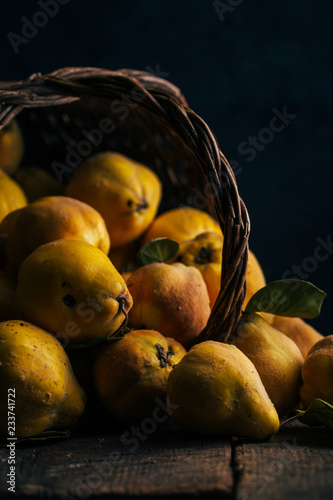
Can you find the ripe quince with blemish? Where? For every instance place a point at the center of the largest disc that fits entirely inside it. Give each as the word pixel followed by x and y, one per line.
pixel 132 372
pixel 36 367
pixel 216 390
pixel 72 289
pixel 125 192
pixel 49 219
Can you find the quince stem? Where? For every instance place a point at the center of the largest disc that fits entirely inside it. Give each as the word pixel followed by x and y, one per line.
pixel 162 355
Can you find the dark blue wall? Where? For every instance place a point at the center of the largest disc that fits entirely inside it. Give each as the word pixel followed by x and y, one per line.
pixel 263 56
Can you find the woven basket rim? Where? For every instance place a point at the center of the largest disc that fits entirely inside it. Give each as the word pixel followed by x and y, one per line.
pixel 164 101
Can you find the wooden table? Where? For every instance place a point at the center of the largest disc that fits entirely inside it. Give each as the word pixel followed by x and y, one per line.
pixel 103 460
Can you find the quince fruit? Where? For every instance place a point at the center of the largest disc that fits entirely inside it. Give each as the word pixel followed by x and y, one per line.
pixel 205 253
pixel 317 373
pixel 71 289
pixel 216 390
pixel 11 147
pixel 180 224
pixel 303 334
pixel 11 195
pixel 36 367
pixel 255 279
pixel 125 192
pixel 169 298
pixel 49 219
pixel 38 183
pixel 276 357
pixel 131 373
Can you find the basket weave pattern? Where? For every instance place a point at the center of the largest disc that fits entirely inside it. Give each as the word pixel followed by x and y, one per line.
pixel 153 124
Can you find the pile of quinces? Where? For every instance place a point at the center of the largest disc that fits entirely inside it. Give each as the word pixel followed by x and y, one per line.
pixel 101 297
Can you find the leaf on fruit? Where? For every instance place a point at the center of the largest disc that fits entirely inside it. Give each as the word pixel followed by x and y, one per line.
pixel 293 298
pixel 318 413
pixel 157 250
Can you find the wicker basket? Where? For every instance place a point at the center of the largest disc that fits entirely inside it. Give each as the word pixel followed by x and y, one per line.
pixel 146 118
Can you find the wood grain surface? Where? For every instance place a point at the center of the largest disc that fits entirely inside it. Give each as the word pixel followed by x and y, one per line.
pixel 297 463
pixel 103 460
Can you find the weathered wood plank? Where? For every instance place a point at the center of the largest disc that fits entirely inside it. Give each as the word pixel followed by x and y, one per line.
pixel 296 464
pixel 103 460
pixel 100 465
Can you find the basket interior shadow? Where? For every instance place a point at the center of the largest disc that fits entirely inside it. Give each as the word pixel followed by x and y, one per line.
pixel 74 112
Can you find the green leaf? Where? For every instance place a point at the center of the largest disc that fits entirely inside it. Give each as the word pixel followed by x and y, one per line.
pixel 293 298
pixel 43 436
pixel 318 413
pixel 157 250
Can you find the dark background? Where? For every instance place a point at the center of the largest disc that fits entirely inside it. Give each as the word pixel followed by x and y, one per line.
pixel 234 72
